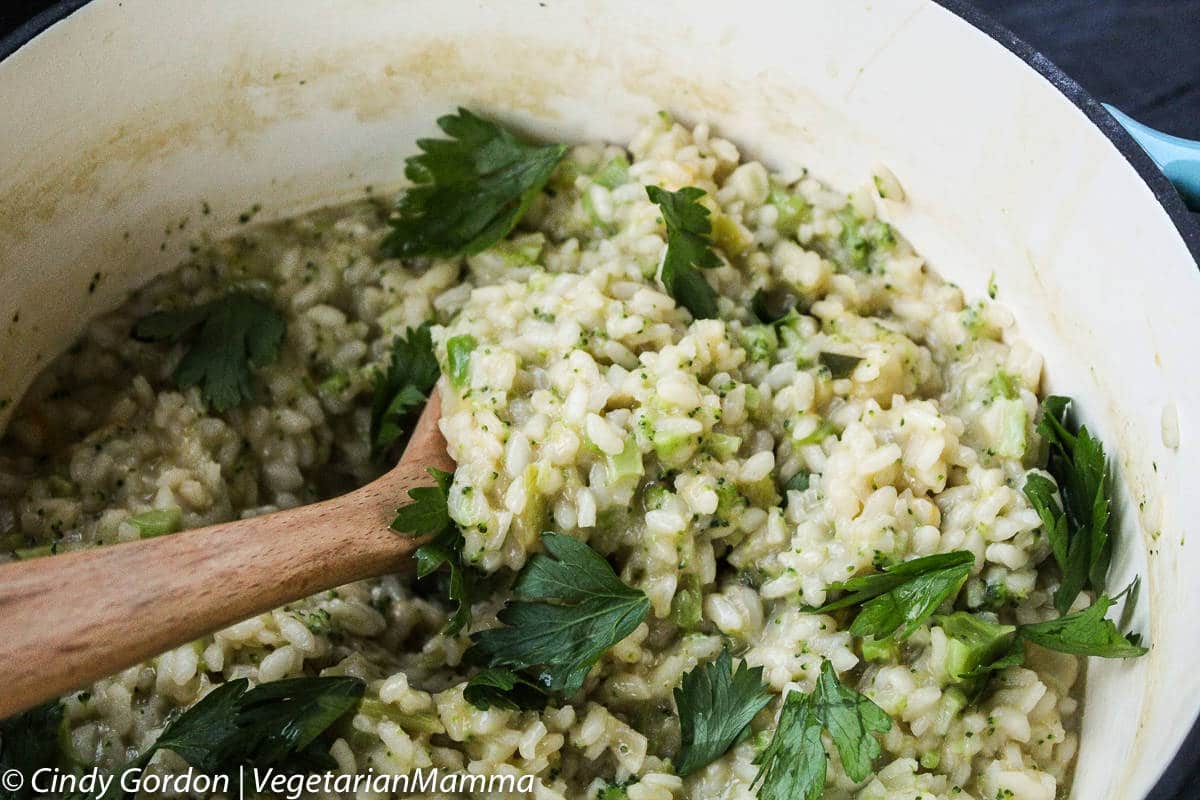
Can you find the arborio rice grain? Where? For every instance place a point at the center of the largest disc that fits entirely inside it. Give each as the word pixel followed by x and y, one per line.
pixel 580 351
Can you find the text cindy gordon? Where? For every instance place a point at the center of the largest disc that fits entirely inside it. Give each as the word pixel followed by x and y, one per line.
pixel 290 786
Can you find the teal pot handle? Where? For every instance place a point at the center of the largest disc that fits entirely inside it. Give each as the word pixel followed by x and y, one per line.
pixel 1178 158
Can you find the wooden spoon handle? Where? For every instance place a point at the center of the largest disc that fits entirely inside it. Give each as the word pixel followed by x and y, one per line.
pixel 68 620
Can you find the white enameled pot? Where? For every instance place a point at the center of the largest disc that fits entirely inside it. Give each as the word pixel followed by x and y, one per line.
pixel 122 120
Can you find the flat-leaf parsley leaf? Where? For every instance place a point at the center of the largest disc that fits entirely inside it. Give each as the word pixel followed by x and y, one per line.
pixel 428 515
pixel 227 337
pixel 1080 530
pixel 794 764
pixel 716 702
pixel 902 596
pixel 28 743
pixel 273 724
pixel 851 719
pixel 470 190
pixel 502 688
pixel 688 248
pixel 1085 633
pixel 402 388
pixel 569 607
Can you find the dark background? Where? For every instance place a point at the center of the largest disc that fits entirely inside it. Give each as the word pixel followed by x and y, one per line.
pixel 1143 56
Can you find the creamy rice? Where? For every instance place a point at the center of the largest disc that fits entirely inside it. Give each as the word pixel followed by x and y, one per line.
pixel 913 452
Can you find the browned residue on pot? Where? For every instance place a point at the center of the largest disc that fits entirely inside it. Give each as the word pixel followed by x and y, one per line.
pixel 369 81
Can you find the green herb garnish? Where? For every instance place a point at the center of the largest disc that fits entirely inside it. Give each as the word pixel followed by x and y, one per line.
pixel 226 339
pixel 1084 633
pixel 470 190
pixel 29 742
pixel 403 388
pixel 569 607
pixel 428 515
pixel 689 249
pixel 904 595
pixel 794 764
pixel 1080 530
pixel 798 482
pixel 502 688
pixel 716 703
pixel 273 724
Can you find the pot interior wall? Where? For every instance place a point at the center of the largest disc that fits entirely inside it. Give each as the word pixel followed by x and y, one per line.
pixel 126 120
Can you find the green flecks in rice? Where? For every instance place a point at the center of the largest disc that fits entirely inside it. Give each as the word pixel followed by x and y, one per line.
pixel 587 402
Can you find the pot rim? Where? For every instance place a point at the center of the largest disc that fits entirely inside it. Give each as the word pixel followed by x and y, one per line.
pixel 1185 764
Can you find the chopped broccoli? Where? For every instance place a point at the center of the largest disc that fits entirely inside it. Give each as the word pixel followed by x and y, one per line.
pixel 973 642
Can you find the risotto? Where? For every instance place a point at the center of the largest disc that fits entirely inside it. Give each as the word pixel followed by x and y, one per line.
pixel 747 466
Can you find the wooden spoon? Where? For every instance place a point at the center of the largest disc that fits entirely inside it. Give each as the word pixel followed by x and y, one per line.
pixel 68 620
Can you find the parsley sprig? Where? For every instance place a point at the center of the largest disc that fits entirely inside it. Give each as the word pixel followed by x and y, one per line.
pixel 1087 632
pixel 689 249
pixel 403 388
pixel 505 689
pixel 568 608
pixel 29 742
pixel 794 764
pixel 716 703
pixel 1080 530
pixel 428 515
pixel 227 338
pixel 277 724
pixel 272 723
pixel 470 190
pixel 903 596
